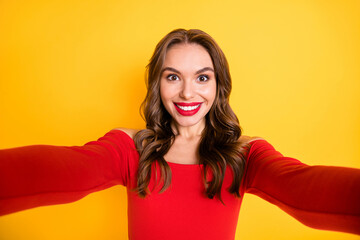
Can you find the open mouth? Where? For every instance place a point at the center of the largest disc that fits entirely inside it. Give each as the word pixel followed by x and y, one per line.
pixel 188 109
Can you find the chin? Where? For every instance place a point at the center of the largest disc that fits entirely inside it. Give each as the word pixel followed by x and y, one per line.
pixel 187 122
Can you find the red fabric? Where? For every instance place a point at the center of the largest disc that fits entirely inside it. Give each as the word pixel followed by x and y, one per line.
pixel 321 197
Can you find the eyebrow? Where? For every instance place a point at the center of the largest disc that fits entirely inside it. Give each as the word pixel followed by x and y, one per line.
pixel 177 71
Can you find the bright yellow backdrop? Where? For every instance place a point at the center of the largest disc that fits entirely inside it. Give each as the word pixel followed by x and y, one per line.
pixel 72 70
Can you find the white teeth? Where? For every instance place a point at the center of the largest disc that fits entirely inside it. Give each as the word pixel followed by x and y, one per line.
pixel 188 108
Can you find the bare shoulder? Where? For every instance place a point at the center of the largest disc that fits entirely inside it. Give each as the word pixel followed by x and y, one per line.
pixel 129 131
pixel 248 139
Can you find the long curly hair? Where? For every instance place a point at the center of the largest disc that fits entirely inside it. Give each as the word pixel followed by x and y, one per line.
pixel 219 145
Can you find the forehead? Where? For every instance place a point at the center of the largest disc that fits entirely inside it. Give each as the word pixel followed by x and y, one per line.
pixel 187 56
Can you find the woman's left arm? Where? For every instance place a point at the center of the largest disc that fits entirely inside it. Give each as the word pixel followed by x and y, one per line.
pixel 322 197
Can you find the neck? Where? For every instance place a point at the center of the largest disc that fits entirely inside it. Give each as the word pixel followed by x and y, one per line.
pixel 189 132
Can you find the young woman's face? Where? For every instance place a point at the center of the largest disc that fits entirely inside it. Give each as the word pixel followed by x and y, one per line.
pixel 188 84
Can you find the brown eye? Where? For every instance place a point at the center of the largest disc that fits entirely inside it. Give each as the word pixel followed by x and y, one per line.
pixel 203 78
pixel 172 77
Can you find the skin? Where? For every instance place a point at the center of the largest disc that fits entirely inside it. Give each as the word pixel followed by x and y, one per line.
pixel 191 80
pixel 187 76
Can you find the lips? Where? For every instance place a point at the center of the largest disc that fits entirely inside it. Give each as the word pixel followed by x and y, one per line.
pixel 188 109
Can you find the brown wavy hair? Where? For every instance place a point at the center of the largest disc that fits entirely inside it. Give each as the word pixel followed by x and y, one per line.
pixel 219 145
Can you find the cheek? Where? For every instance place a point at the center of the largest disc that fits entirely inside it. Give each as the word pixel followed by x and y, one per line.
pixel 163 91
pixel 209 93
pixel 168 90
pixel 166 93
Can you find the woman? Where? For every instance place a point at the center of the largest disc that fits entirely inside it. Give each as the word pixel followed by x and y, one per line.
pixel 187 171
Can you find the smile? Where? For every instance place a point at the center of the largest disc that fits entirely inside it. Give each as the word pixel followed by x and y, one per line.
pixel 188 109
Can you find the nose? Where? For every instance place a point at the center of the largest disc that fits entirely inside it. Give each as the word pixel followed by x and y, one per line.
pixel 187 90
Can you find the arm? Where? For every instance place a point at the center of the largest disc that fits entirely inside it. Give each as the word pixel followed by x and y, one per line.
pixel 321 197
pixel 40 175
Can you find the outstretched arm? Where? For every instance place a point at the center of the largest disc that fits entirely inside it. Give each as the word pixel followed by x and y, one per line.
pixel 322 197
pixel 40 175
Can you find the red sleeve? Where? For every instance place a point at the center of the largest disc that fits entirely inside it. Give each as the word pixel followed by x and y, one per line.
pixel 321 197
pixel 39 175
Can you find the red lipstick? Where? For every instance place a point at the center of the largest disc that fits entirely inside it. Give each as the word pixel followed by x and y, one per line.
pixel 188 109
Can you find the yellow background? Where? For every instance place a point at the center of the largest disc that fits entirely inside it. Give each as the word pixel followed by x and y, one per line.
pixel 72 70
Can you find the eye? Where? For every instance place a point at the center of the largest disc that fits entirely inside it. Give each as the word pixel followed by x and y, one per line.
pixel 203 78
pixel 172 77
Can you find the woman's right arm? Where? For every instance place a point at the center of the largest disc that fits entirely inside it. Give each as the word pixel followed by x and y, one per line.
pixel 39 175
